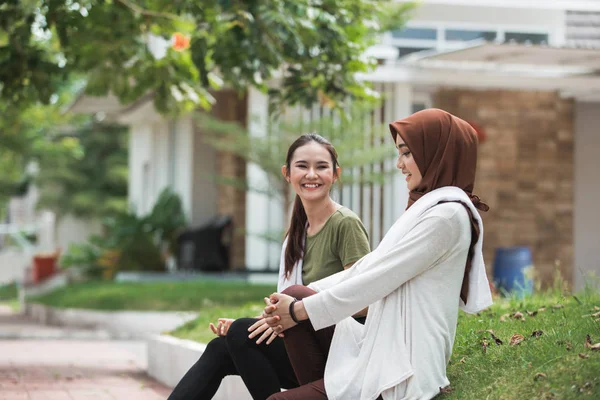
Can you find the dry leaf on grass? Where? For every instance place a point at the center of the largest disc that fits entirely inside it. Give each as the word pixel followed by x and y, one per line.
pixel 542 309
pixel 447 389
pixel 518 315
pixel 596 308
pixel 589 345
pixel 504 317
pixel 531 313
pixel 494 337
pixel 557 306
pixel 484 345
pixel 516 339
pixel 540 375
pixel 462 360
pixel 537 333
pixel 583 355
pixel 596 315
pixel 498 341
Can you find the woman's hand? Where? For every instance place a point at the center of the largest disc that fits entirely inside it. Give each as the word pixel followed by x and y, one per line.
pixel 259 327
pixel 222 326
pixel 277 314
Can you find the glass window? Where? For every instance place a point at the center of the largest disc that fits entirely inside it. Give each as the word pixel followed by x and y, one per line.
pixel 415 33
pixel 416 107
pixel 466 35
pixel 404 51
pixel 533 38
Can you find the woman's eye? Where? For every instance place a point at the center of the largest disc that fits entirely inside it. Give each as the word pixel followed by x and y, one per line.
pixel 406 153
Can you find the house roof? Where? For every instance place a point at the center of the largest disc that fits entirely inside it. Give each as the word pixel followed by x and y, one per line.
pixel 574 72
pixel 512 57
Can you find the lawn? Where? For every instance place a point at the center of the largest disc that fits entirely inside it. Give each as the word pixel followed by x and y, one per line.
pixel 8 291
pixel 551 362
pixel 156 296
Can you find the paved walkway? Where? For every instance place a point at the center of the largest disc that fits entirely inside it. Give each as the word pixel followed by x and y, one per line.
pixel 59 367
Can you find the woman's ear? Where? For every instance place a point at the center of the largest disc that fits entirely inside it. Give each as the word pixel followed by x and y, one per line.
pixel 338 171
pixel 284 172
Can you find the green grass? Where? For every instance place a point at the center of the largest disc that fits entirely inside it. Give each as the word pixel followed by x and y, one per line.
pixel 8 291
pixel 505 371
pixel 198 329
pixel 155 296
pixel 502 371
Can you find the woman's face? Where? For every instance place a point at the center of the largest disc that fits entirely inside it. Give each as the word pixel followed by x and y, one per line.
pixel 407 164
pixel 311 172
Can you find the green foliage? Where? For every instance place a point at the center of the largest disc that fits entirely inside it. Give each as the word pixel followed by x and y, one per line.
pixel 8 291
pixel 27 133
pixel 194 295
pixel 84 172
pixel 314 47
pixel 131 242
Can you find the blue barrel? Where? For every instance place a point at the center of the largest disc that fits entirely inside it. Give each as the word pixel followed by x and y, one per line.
pixel 513 270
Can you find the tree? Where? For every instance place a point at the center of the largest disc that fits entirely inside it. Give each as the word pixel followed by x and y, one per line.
pixel 84 171
pixel 314 48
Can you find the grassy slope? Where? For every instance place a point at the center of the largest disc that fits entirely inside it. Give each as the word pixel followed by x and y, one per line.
pixel 513 371
pixel 503 371
pixel 157 296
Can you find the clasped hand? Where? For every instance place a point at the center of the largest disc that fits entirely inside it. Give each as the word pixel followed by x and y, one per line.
pixel 277 313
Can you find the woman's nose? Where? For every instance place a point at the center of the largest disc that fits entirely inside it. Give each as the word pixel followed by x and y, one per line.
pixel 311 173
pixel 399 164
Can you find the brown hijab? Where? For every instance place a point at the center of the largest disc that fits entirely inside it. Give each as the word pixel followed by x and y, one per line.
pixel 445 150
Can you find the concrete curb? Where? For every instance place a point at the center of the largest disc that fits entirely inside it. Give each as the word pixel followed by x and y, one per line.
pixel 123 324
pixel 169 358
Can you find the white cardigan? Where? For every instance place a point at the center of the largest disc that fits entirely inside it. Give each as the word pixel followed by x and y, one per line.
pixel 411 284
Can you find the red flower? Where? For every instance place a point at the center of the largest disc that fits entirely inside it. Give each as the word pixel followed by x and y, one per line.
pixel 180 41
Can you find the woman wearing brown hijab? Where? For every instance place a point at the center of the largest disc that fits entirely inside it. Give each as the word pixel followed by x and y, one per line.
pixel 428 265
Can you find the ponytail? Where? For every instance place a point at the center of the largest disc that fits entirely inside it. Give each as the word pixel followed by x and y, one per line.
pixel 294 250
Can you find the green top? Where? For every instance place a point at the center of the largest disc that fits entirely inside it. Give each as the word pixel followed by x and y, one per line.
pixel 342 240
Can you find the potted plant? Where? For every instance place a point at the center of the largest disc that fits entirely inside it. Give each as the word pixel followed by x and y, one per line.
pixel 44 265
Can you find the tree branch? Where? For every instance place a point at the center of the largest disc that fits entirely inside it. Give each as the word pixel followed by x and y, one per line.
pixel 148 13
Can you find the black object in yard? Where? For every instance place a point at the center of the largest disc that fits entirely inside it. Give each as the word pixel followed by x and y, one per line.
pixel 206 248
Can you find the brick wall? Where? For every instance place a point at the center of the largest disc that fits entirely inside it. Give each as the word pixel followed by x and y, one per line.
pixel 231 106
pixel 525 171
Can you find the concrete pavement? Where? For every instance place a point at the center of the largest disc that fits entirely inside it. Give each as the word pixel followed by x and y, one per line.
pixel 47 363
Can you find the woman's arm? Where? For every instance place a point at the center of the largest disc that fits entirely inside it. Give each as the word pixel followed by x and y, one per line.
pixel 376 276
pixel 418 251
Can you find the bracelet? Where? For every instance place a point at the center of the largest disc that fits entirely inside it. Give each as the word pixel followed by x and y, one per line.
pixel 292 313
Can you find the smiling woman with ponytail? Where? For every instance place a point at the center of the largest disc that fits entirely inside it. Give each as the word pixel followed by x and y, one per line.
pixel 323 238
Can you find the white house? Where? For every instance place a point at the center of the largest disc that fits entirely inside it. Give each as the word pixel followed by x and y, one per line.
pixel 524 71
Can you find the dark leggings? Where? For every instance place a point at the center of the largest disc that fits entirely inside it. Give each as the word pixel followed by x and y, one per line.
pixel 264 368
pixel 308 350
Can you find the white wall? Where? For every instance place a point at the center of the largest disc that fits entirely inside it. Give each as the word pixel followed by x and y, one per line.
pixel 70 230
pixel 491 17
pixel 587 192
pixel 161 154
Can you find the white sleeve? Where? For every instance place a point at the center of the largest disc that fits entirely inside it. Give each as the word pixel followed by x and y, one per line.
pixel 420 249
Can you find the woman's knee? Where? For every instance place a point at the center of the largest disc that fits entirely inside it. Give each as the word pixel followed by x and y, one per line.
pixel 298 291
pixel 237 334
pixel 216 346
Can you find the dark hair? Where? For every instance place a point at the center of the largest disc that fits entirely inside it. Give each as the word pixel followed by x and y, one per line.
pixel 295 245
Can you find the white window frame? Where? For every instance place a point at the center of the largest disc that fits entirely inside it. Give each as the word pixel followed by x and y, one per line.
pixel 441 44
